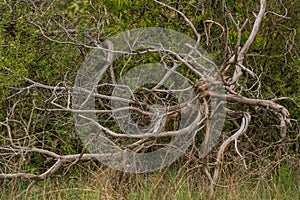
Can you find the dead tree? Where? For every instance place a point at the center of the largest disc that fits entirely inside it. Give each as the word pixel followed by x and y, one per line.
pixel 165 129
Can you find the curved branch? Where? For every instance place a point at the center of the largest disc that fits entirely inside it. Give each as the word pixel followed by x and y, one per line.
pixel 254 31
pixel 241 55
pixel 244 125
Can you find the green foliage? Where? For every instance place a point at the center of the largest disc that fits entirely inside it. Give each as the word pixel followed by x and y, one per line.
pixel 25 52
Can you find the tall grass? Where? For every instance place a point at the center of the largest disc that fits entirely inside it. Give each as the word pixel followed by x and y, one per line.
pixel 172 183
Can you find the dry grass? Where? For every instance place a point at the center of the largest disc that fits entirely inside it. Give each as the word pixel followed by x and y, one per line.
pixel 176 182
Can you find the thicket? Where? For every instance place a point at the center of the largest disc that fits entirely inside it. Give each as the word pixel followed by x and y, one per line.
pixel 46 41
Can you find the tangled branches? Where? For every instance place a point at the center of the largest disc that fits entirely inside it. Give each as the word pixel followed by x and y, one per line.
pixel 124 113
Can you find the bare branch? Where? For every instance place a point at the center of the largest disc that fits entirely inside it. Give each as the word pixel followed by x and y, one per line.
pixel 184 17
pixel 244 125
pixel 241 55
